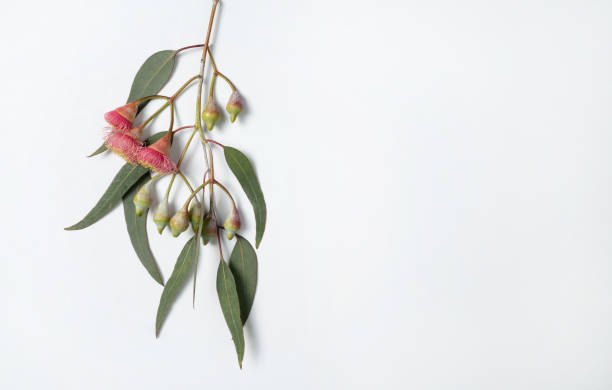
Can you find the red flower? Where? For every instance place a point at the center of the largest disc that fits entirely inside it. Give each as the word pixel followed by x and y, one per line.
pixel 123 145
pixel 155 157
pixel 121 118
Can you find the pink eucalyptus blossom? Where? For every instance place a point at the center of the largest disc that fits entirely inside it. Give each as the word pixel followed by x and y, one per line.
pixel 155 157
pixel 123 145
pixel 121 118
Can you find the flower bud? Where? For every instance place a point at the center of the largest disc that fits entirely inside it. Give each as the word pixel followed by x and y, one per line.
pixel 210 115
pixel 234 105
pixel 210 228
pixel 179 222
pixel 232 223
pixel 143 198
pixel 195 214
pixel 161 216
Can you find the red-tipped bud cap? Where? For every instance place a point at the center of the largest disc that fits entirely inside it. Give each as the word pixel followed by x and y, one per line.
pixel 234 106
pixel 161 216
pixel 210 115
pixel 195 214
pixel 121 118
pixel 210 228
pixel 143 199
pixel 155 157
pixel 232 223
pixel 179 222
pixel 123 145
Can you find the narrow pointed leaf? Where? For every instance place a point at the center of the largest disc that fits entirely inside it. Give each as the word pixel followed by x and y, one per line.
pixel 152 76
pixel 127 176
pixel 244 172
pixel 177 280
pixel 243 264
pixel 230 306
pixel 101 149
pixel 137 230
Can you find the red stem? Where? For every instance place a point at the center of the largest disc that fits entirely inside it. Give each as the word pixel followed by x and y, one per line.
pixel 188 47
pixel 184 127
pixel 214 142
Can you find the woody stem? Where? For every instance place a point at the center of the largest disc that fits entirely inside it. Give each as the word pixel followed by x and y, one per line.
pixel 198 123
pixel 202 64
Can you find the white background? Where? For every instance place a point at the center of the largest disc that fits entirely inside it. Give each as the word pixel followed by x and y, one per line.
pixel 437 177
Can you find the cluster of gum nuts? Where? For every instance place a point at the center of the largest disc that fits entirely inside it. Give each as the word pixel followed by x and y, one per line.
pixel 124 140
pixel 181 220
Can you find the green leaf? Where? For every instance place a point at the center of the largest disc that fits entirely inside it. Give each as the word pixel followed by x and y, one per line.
pixel 137 229
pixel 101 149
pixel 228 298
pixel 152 76
pixel 243 263
pixel 181 271
pixel 244 172
pixel 127 176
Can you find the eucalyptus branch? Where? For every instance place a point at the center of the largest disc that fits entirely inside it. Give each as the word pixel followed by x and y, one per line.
pixel 132 185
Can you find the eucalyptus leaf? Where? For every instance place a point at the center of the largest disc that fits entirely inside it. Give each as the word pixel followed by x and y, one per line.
pixel 177 280
pixel 244 172
pixel 137 230
pixel 152 76
pixel 230 306
pixel 101 149
pixel 127 176
pixel 243 264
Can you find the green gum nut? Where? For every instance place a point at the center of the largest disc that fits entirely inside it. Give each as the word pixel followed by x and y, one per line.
pixel 232 223
pixel 234 106
pixel 195 214
pixel 210 115
pixel 179 222
pixel 143 199
pixel 161 216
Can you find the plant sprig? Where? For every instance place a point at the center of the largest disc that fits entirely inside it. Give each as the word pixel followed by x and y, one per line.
pixel 236 282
